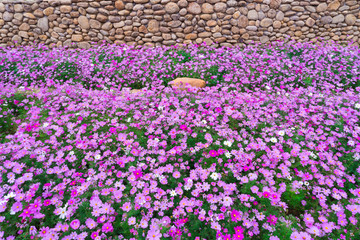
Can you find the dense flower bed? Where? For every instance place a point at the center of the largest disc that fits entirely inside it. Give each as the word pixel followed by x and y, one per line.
pixel 269 150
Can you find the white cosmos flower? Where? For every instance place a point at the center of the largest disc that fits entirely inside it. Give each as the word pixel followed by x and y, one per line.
pixel 214 176
pixel 357 105
pixel 173 193
pixel 281 133
pixel 273 139
pixel 62 213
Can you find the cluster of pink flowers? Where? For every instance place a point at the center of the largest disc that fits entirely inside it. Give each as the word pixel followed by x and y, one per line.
pixel 257 155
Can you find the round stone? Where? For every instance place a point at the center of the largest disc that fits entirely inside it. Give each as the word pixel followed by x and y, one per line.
pixel 253 15
pixel 83 22
pixel 264 39
pixel 119 5
pixel 94 24
pixel 43 23
pixel 65 9
pixel 220 7
pixel 207 8
pixel 310 22
pixel 194 8
pixel 243 21
pixel 266 22
pixel 275 4
pixel 48 11
pixel 16 39
pixel 350 19
pixel 333 6
pixel 24 27
pixel 338 19
pixel 280 16
pixel 171 7
pixel 277 24
pixel 321 7
pixel 153 26
pixel 8 16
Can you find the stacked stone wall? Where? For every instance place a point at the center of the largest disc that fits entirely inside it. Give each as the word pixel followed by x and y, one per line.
pixel 81 23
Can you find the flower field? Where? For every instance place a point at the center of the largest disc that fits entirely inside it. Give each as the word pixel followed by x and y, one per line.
pixel 269 149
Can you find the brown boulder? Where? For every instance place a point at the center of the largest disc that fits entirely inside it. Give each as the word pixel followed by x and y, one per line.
pixel 119 5
pixel 333 6
pixel 181 83
pixel 194 8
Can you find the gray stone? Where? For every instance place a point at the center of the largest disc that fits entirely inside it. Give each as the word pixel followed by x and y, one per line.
pixel 264 39
pixel 2 7
pixel 350 19
pixel 321 7
pixel 252 15
pixel 338 19
pixel 16 39
pixel 43 24
pixel 220 7
pixel 83 22
pixel 280 16
pixel 326 20
pixel 266 22
pixel 8 16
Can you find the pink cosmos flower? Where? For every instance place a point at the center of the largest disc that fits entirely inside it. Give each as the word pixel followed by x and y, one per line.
pixel 272 219
pixel 154 234
pixel 137 173
pixel 75 224
pixel 226 237
pixel 266 194
pixel 238 236
pixel 235 215
pixel 213 153
pixel 94 235
pixel 90 223
pixel 107 227
pixel 16 207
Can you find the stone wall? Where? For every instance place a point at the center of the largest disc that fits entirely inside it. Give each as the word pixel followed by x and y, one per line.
pixel 80 23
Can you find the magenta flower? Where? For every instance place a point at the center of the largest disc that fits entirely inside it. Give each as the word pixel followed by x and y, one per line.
pixel 238 236
pixel 213 153
pixel 238 229
pixel 235 215
pixel 73 193
pixel 226 237
pixel 137 173
pixel 94 235
pixel 107 227
pixel 272 219
pixel 266 194
pixel 112 130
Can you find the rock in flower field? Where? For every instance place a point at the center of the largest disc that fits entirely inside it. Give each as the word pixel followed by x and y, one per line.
pixel 269 149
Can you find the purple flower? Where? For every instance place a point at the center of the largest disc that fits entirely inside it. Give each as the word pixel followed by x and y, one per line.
pixel 90 223
pixel 154 234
